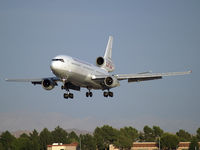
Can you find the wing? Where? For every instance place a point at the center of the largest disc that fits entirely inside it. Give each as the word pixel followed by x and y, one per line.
pixel 34 81
pixel 147 76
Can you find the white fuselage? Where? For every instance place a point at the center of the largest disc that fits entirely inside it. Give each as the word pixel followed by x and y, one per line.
pixel 76 71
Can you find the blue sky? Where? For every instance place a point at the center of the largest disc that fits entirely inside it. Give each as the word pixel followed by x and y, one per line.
pixel 161 36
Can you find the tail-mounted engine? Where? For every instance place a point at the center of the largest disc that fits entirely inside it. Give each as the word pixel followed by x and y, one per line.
pixel 111 82
pixel 48 84
pixel 105 63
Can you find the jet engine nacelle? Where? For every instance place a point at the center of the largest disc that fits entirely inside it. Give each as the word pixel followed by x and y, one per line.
pixel 48 84
pixel 111 82
pixel 105 63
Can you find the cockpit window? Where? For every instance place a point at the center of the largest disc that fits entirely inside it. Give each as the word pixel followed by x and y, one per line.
pixel 62 60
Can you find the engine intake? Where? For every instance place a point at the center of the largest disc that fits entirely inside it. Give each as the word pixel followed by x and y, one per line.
pixel 111 82
pixel 48 84
pixel 100 61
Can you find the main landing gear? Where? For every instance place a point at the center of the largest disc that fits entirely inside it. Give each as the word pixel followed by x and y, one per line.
pixel 89 94
pixel 68 94
pixel 108 94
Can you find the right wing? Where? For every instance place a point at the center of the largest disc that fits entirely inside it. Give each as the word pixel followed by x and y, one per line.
pixel 147 76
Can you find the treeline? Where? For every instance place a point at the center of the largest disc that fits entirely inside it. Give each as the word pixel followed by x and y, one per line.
pixel 101 139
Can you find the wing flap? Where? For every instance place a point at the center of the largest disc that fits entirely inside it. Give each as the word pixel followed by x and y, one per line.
pixel 143 79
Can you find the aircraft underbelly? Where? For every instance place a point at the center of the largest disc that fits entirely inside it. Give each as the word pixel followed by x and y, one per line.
pixel 83 79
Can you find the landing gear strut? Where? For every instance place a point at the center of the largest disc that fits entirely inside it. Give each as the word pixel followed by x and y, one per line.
pixel 89 94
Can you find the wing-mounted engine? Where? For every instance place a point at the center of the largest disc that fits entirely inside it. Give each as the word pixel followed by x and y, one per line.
pixel 48 84
pixel 111 82
pixel 105 63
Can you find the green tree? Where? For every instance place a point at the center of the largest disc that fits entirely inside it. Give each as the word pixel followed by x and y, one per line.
pixel 35 140
pixel 1 147
pixel 72 137
pixel 99 140
pixel 104 136
pixel 23 143
pixel 169 141
pixel 123 142
pixel 126 137
pixel 45 139
pixel 7 140
pixel 130 132
pixel 157 131
pixel 198 134
pixel 87 142
pixel 24 135
pixel 148 134
pixel 59 135
pixel 141 137
pixel 194 144
pixel 183 135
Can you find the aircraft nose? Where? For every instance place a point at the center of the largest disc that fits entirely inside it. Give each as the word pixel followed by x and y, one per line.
pixel 57 64
pixel 54 66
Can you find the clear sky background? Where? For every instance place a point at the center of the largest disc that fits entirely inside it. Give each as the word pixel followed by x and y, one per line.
pixel 161 36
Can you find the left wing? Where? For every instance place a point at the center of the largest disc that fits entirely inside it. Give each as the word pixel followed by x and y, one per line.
pixel 48 83
pixel 147 76
pixel 35 80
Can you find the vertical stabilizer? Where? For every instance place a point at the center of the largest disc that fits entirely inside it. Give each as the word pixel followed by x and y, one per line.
pixel 108 52
pixel 106 61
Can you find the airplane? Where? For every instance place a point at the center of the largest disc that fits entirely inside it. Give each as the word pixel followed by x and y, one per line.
pixel 76 74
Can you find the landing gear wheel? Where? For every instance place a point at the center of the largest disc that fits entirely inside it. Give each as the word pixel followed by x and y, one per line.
pixel 89 94
pixel 71 95
pixel 110 94
pixel 66 96
pixel 105 94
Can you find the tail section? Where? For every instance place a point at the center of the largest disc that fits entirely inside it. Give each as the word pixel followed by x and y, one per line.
pixel 106 61
pixel 108 52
